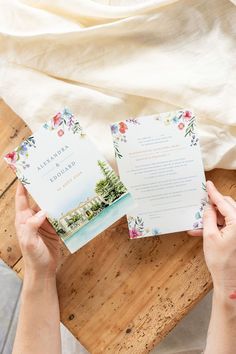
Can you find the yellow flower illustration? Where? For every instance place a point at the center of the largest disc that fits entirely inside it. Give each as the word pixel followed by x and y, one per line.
pixel 167 120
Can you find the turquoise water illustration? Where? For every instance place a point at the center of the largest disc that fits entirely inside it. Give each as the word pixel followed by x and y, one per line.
pixel 100 222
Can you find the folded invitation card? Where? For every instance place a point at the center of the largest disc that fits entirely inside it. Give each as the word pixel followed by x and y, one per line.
pixel 159 161
pixel 69 178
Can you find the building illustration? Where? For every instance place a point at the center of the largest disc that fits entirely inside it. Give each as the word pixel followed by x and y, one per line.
pixel 81 215
pixel 106 191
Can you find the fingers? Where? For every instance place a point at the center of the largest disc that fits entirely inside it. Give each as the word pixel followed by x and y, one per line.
pixel 47 228
pixel 35 208
pixel 214 217
pixel 21 198
pixel 220 218
pixel 210 221
pixel 194 233
pixel 230 201
pixel 36 220
pixel 224 207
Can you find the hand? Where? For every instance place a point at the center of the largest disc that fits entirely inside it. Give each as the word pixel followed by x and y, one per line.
pixel 38 240
pixel 219 240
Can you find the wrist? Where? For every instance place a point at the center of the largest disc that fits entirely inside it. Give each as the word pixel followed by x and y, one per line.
pixel 35 281
pixel 36 271
pixel 222 300
pixel 39 274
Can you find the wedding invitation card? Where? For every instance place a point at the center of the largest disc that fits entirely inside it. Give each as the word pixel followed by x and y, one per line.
pixel 159 160
pixel 70 179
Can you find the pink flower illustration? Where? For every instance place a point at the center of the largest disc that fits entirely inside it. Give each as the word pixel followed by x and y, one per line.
pixel 181 126
pixel 60 132
pixel 187 115
pixel 133 233
pixel 57 119
pixel 11 157
pixel 123 127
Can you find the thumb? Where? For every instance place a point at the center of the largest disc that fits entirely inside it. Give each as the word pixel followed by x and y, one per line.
pixel 37 220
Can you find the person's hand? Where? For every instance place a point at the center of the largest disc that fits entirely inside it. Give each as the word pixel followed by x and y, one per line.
pixel 219 240
pixel 38 240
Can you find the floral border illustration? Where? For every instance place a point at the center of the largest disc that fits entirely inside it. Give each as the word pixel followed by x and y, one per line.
pixel 185 121
pixel 18 159
pixel 137 228
pixel 63 121
pixel 118 131
pixel 199 214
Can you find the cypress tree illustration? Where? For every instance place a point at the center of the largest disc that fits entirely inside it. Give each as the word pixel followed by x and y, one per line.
pixel 110 188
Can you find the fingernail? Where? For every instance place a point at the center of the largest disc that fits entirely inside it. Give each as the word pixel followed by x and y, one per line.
pixel 41 214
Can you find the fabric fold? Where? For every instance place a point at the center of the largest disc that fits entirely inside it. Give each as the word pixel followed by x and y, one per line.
pixel 109 62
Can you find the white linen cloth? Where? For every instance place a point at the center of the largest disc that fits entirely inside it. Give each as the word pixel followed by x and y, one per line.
pixel 110 60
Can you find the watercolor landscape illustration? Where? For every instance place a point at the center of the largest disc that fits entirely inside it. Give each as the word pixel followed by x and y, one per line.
pixel 107 190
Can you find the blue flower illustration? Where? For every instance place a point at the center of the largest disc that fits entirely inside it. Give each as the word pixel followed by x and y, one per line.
pixel 198 215
pixel 67 113
pixel 175 119
pixel 155 231
pixel 114 129
pixel 23 149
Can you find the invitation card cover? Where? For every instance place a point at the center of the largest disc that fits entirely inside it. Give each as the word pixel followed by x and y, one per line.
pixel 69 178
pixel 159 160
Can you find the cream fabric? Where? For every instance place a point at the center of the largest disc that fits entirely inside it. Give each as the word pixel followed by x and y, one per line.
pixel 109 60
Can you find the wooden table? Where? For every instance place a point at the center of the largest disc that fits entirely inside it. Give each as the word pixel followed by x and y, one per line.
pixel 116 295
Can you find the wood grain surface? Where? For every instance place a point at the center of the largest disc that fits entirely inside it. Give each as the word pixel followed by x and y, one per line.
pixel 116 295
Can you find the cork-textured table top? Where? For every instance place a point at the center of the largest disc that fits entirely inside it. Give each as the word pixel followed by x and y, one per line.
pixel 116 295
